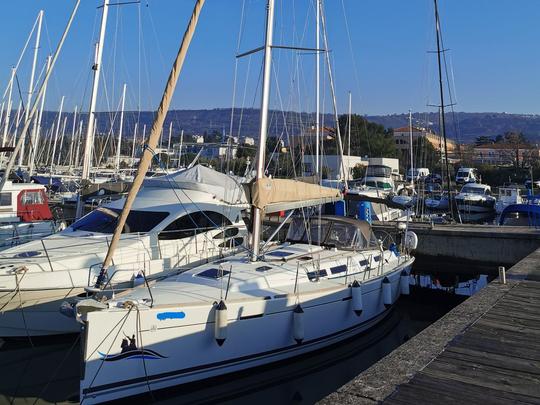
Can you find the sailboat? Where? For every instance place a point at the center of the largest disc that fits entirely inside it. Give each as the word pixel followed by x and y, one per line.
pixel 330 280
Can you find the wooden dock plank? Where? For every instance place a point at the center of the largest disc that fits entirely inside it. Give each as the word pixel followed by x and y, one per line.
pixel 495 360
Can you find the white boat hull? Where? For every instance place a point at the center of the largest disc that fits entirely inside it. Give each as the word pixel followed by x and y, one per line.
pixel 173 350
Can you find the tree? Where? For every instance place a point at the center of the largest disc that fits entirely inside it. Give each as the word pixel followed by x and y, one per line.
pixel 367 138
pixel 483 140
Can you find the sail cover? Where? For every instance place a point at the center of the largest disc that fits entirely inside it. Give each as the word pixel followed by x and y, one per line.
pixel 200 178
pixel 272 195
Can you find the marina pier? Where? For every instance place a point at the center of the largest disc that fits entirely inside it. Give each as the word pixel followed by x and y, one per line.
pixel 484 349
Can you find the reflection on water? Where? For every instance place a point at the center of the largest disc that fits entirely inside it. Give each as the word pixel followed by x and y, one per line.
pixel 459 285
pixel 49 370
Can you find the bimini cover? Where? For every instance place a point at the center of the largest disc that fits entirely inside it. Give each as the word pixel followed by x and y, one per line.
pixel 200 178
pixel 272 195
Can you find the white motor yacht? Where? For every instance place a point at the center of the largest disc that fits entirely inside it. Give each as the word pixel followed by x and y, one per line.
pixel 508 195
pixel 177 221
pixel 331 280
pixel 475 202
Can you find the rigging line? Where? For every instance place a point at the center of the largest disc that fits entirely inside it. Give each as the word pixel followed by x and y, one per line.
pixel 353 60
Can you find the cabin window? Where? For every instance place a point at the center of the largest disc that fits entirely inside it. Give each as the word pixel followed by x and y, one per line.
pixel 32 198
pixel 227 233
pixel 193 224
pixel 5 199
pixel 104 220
pixel 314 275
pixel 338 269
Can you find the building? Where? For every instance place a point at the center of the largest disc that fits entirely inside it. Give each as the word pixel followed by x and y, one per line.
pixel 402 138
pixel 332 165
pixel 504 154
pixel 249 141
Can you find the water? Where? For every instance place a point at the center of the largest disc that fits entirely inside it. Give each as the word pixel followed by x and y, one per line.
pixel 48 371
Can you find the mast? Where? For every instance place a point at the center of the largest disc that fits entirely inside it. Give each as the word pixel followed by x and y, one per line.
pixel 61 141
pixel 36 130
pixel 31 85
pixel 73 129
pixel 118 147
pixel 317 89
pixel 442 120
pixel 263 129
pixel 169 144
pixel 411 146
pixel 157 125
pixel 78 143
pixel 9 107
pixel 349 124
pixel 57 131
pixel 134 141
pixel 180 148
pixel 87 159
pixel 333 91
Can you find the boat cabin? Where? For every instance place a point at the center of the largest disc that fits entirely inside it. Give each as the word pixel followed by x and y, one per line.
pixel 24 202
pixel 476 188
pixel 332 232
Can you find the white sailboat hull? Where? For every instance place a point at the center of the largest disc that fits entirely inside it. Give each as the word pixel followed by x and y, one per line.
pixel 174 349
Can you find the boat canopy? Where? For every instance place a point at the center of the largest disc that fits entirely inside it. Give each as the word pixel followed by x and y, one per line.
pixel 332 231
pixel 200 178
pixel 273 195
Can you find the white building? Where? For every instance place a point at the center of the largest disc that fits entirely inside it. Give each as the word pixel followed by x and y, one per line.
pixel 332 165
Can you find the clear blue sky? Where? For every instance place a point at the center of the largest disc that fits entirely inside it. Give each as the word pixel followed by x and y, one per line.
pixel 495 56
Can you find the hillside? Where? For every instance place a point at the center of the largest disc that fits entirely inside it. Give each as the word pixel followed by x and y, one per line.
pixel 468 126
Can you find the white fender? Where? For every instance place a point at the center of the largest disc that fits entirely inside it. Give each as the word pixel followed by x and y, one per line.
pixel 387 292
pixel 298 324
pixel 220 324
pixel 356 293
pixel 411 240
pixel 404 283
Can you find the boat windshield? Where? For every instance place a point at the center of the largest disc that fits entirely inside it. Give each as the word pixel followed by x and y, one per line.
pixel 103 220
pixel 378 171
pixel 474 190
pixel 348 234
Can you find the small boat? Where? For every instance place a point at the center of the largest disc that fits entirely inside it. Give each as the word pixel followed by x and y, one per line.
pixel 475 202
pixel 526 214
pixel 509 194
pixel 25 214
pixel 177 221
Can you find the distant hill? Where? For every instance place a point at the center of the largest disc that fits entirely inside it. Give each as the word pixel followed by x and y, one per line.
pixel 465 127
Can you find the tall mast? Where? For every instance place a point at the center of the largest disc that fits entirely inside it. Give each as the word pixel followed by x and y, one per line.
pixel 441 92
pixel 118 147
pixel 317 89
pixel 73 129
pixel 411 146
pixel 56 132
pixel 87 159
pixel 349 125
pixel 134 141
pixel 169 144
pixel 36 130
pixel 263 130
pixel 63 133
pixel 31 85
pixel 333 91
pixel 9 107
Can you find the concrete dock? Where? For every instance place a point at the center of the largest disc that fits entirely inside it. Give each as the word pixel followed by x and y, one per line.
pixel 485 350
pixel 485 245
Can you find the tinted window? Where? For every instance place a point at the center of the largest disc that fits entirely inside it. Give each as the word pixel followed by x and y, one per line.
pixel 5 199
pixel 104 220
pixel 192 224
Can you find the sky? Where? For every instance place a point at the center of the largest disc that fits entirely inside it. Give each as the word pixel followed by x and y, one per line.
pixel 378 52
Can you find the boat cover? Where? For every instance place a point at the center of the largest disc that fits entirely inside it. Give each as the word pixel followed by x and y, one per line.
pixel 272 195
pixel 225 187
